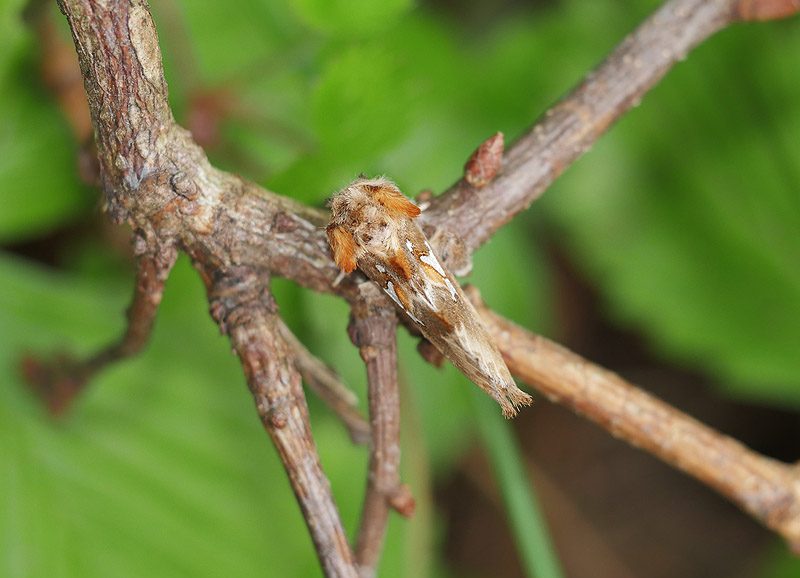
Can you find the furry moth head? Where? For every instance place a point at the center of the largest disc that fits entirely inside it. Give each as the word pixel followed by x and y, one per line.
pixel 372 228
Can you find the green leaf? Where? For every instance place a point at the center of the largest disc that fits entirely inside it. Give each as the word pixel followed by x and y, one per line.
pixel 513 276
pixel 362 101
pixel 15 37
pixel 780 563
pixel 39 188
pixel 345 17
pixel 527 523
pixel 242 48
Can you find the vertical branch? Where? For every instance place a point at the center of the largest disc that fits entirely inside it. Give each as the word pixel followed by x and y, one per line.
pixel 243 307
pixel 373 329
pixel 120 60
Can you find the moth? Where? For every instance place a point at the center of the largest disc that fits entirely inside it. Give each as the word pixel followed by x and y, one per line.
pixel 372 227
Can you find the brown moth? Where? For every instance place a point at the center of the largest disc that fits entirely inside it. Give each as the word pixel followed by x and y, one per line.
pixel 372 228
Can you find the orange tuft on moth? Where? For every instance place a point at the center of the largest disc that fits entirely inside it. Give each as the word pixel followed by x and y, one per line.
pixel 372 227
pixel 343 247
pixel 395 201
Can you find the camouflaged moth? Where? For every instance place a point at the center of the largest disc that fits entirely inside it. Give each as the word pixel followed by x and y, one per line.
pixel 372 228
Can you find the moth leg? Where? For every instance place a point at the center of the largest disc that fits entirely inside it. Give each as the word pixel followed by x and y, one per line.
pixel 60 379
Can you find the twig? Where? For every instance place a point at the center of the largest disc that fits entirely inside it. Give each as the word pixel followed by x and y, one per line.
pixel 373 329
pixel 327 385
pixel 243 307
pixel 767 489
pixel 569 129
pixel 58 381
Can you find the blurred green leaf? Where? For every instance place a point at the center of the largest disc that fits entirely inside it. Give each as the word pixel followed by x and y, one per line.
pixel 780 563
pixel 361 100
pixel 522 508
pixel 38 160
pixel 513 276
pixel 13 35
pixel 367 98
pixel 345 17
pixel 252 32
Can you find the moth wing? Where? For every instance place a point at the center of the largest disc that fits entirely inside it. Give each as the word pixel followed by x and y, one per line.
pixel 452 324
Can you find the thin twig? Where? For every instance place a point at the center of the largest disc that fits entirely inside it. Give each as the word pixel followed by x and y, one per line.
pixel 243 307
pixel 373 329
pixel 765 488
pixel 327 385
pixel 60 380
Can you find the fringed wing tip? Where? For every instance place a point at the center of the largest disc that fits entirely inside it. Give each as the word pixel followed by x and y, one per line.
pixel 513 400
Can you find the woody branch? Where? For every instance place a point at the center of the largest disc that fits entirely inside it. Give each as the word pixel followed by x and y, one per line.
pixel 765 488
pixel 568 129
pixel 155 178
pixel 327 385
pixel 58 383
pixel 243 307
pixel 373 329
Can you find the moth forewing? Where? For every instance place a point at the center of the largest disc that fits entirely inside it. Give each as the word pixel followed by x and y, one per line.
pixel 371 221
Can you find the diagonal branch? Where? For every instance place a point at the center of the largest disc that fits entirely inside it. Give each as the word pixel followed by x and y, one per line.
pixel 327 385
pixel 243 307
pixel 766 489
pixel 569 129
pixel 373 329
pixel 59 381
